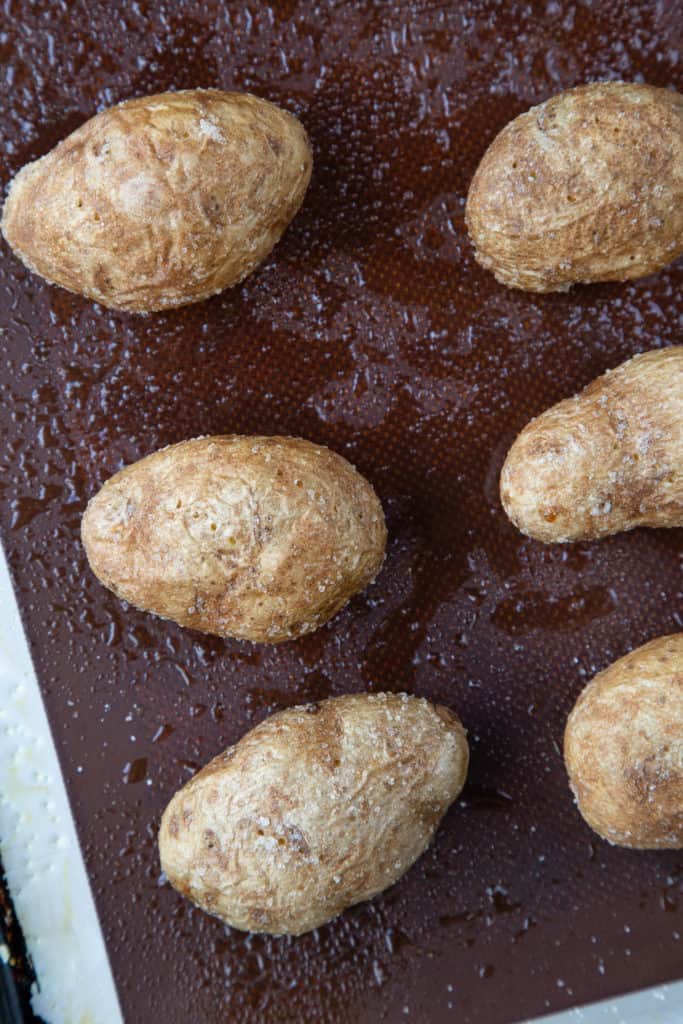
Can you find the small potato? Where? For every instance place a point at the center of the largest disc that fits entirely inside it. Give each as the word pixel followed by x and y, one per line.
pixel 261 538
pixel 161 200
pixel 623 748
pixel 588 186
pixel 316 809
pixel 608 460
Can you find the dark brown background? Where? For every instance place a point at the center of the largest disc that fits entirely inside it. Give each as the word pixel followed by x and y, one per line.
pixel 370 329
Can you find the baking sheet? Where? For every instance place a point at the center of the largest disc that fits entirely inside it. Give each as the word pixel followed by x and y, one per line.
pixel 370 329
pixel 40 850
pixel 73 952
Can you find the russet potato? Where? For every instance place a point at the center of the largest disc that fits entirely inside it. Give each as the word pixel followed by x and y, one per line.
pixel 608 460
pixel 623 748
pixel 162 200
pixel 316 809
pixel 588 186
pixel 260 538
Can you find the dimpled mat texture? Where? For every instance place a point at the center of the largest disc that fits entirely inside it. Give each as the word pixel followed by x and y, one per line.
pixel 370 329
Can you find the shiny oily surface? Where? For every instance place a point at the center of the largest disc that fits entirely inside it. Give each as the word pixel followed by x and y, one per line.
pixel 370 329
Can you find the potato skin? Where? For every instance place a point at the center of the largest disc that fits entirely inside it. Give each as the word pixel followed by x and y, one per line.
pixel 316 809
pixel 588 186
pixel 261 538
pixel 162 200
pixel 608 460
pixel 623 748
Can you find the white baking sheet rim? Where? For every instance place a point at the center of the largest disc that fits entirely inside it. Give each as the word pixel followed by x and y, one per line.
pixel 40 851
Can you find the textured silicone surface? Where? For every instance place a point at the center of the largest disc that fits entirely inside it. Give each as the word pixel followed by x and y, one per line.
pixel 370 329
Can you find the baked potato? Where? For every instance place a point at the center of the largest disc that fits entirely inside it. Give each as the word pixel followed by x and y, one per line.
pixel 162 200
pixel 608 460
pixel 623 748
pixel 317 808
pixel 260 538
pixel 588 186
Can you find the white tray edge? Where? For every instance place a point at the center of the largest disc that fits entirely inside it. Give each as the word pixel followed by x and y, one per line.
pixel 40 851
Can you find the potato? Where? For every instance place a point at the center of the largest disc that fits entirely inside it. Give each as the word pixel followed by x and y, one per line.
pixel 316 809
pixel 262 538
pixel 623 748
pixel 607 460
pixel 588 186
pixel 161 200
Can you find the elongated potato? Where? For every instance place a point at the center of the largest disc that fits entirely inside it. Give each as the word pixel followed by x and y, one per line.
pixel 316 809
pixel 588 186
pixel 161 200
pixel 608 460
pixel 261 538
pixel 623 747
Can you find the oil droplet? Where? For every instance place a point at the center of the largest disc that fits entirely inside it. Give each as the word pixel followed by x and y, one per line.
pixel 163 732
pixel 135 771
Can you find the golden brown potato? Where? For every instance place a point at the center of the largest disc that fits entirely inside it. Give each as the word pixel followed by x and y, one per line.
pixel 161 200
pixel 608 460
pixel 316 809
pixel 623 747
pixel 588 186
pixel 261 538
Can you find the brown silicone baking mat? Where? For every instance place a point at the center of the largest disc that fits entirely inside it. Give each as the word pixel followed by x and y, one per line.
pixel 370 329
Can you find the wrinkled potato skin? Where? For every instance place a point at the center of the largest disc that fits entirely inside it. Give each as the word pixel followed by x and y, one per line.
pixel 316 809
pixel 608 460
pixel 261 538
pixel 162 200
pixel 623 748
pixel 588 186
